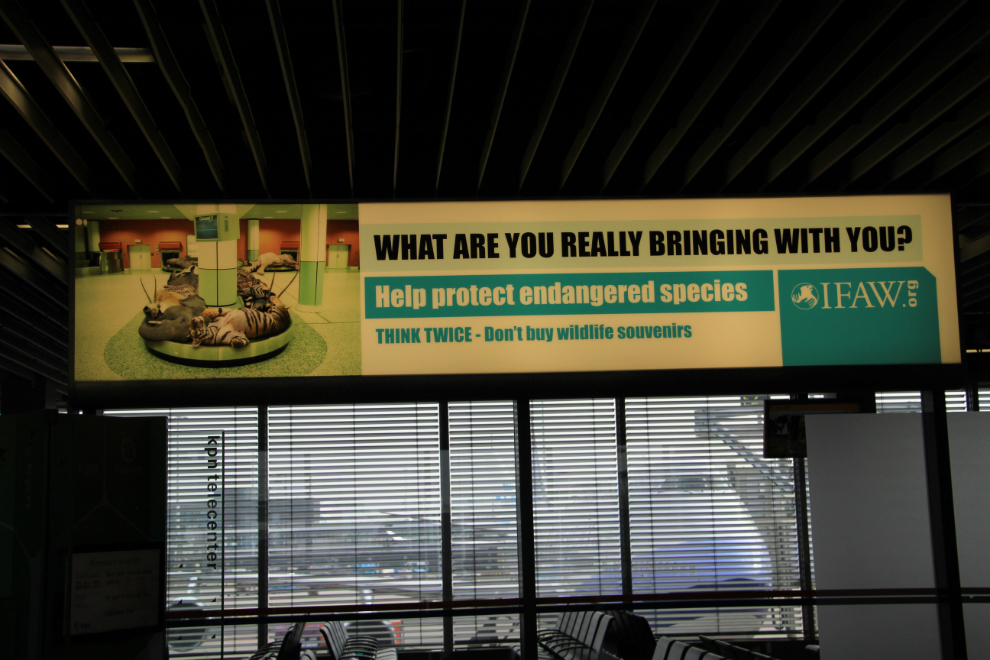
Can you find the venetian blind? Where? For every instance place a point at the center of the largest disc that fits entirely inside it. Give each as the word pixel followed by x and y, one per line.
pixel 575 497
pixel 708 512
pixel 897 402
pixel 483 516
pixel 354 512
pixel 194 576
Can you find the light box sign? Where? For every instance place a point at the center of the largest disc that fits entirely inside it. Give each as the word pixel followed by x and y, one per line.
pixel 523 287
pixel 562 286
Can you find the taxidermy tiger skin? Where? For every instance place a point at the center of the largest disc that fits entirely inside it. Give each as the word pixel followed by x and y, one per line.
pixel 237 327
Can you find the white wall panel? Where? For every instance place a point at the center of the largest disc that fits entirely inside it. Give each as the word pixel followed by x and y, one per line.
pixel 869 505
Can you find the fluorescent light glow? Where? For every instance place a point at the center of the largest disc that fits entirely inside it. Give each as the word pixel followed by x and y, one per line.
pixel 61 226
pixel 23 226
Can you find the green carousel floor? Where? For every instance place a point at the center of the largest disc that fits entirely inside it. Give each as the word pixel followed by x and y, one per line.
pixel 326 342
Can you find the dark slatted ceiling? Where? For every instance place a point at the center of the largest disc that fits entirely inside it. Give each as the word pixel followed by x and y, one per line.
pixel 449 99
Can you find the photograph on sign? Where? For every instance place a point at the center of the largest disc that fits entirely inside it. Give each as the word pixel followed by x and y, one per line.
pixel 224 290
pixel 194 291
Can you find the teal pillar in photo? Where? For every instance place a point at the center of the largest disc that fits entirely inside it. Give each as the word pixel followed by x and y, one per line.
pixel 94 236
pixel 218 272
pixel 253 239
pixel 312 248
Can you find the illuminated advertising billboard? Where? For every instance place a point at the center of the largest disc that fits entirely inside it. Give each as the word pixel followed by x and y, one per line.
pixel 207 291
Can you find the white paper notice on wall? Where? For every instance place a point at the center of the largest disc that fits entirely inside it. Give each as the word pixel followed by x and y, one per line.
pixel 114 590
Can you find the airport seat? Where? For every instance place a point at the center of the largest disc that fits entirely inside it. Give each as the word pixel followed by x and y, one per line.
pixel 727 650
pixel 584 641
pixel 288 648
pixel 694 653
pixel 677 651
pixel 344 647
pixel 709 644
pixel 633 636
pixel 662 648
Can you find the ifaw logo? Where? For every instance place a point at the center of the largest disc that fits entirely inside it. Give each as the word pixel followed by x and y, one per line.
pixel 855 295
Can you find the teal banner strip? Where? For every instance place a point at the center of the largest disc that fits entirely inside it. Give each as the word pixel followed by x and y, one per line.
pixel 557 294
pixel 859 316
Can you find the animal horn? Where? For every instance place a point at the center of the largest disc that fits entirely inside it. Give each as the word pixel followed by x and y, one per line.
pixel 146 291
pixel 289 284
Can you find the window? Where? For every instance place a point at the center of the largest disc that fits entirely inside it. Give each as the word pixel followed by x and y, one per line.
pixel 194 579
pixel 708 512
pixel 356 494
pixel 483 515
pixel 354 512
pixel 575 497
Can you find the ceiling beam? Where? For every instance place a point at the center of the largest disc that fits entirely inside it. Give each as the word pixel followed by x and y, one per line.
pixel 450 97
pixel 398 97
pixel 54 336
pixel 22 160
pixel 291 89
pixel 974 248
pixel 830 65
pixel 619 61
pixel 49 316
pixel 706 90
pixel 180 88
pixel 782 59
pixel 42 314
pixel 117 73
pixel 966 217
pixel 934 65
pixel 70 90
pixel 670 67
pixel 345 89
pixel 76 53
pixel 232 79
pixel 979 169
pixel 959 153
pixel 503 90
pixel 57 239
pixel 934 107
pixel 553 93
pixel 17 367
pixel 25 340
pixel 966 118
pixel 41 285
pixel 15 93
pixel 901 48
pixel 14 238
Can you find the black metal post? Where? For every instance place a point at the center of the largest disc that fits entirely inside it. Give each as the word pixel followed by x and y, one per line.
pixel 622 464
pixel 446 528
pixel 525 536
pixel 804 544
pixel 263 525
pixel 973 397
pixel 941 514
